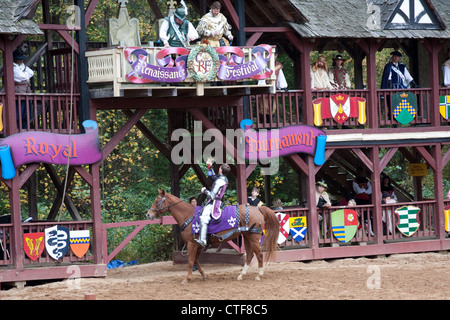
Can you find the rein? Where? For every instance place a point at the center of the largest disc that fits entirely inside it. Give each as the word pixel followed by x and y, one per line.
pixel 160 208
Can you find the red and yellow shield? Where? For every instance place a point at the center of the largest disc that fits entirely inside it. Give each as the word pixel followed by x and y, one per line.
pixel 33 244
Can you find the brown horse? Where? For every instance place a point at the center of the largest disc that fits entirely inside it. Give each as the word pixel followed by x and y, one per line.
pixel 257 219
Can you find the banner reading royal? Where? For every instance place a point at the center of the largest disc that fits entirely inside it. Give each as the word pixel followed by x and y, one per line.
pixel 45 147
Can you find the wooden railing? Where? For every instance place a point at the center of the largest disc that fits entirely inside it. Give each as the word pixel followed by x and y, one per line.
pixel 288 108
pixel 365 234
pixel 40 226
pixel 48 112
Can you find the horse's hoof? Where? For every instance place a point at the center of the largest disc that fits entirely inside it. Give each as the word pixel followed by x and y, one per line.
pixel 184 282
pixel 257 278
pixel 239 277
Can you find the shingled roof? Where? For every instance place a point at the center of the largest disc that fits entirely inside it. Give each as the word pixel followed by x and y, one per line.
pixel 353 19
pixel 14 17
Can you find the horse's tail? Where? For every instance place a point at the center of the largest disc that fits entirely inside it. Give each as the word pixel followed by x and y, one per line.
pixel 272 227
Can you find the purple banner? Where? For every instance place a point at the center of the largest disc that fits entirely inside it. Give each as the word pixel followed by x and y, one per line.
pixel 267 144
pixel 145 72
pixel 36 146
pixel 236 71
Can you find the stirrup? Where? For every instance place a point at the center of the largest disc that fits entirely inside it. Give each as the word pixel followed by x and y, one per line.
pixel 200 242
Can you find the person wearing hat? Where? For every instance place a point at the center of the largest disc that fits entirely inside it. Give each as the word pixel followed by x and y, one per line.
pixel 176 30
pixel 22 76
pixel 319 75
pixel 338 74
pixel 214 27
pixel 395 74
pixel 446 70
pixel 322 197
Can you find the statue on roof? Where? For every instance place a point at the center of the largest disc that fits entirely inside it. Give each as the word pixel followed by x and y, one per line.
pixel 124 30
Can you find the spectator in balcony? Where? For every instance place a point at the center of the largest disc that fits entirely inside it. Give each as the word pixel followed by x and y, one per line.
pixel 176 30
pixel 362 188
pixel 214 28
pixel 338 74
pixel 395 74
pixel 446 70
pixel 387 191
pixel 277 204
pixel 319 75
pixel 22 76
pixel 253 200
pixel 322 197
pixel 280 83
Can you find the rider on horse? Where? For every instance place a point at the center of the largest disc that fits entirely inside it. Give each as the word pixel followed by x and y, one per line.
pixel 214 198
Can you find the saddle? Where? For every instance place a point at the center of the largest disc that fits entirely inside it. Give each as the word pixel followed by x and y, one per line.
pixel 229 219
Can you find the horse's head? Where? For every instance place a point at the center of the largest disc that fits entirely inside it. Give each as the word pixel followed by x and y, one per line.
pixel 159 206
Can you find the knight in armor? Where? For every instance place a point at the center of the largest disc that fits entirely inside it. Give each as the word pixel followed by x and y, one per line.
pixel 395 74
pixel 176 30
pixel 213 200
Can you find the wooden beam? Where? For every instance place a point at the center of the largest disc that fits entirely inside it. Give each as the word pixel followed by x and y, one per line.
pixel 149 135
pixel 253 38
pixel 361 155
pixel 207 124
pixel 387 157
pixel 232 12
pixel 111 144
pixel 427 156
pixel 89 11
pixel 69 40
pixel 156 11
pixel 299 163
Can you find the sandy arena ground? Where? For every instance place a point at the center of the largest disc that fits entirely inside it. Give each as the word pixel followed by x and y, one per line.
pixel 403 276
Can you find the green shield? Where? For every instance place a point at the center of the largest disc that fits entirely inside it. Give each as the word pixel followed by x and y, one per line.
pixel 404 105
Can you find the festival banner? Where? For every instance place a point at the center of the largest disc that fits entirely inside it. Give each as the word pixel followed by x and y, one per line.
pixel 33 244
pixel 268 144
pixel 255 69
pixel 339 107
pixel 53 148
pixel 204 63
pixel 167 70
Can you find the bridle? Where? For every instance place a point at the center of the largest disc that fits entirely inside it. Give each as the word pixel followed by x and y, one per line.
pixel 159 206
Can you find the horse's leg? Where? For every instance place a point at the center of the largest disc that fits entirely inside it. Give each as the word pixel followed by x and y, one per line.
pixel 199 267
pixel 256 249
pixel 192 253
pixel 249 253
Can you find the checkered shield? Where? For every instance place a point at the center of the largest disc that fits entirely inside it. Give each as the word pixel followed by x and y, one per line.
pixel 404 107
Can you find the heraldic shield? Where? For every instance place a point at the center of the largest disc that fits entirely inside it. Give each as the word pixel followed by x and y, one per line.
pixel 297 228
pixel 79 242
pixel 447 218
pixel 404 107
pixel 407 220
pixel 344 224
pixel 57 241
pixel 284 227
pixel 33 244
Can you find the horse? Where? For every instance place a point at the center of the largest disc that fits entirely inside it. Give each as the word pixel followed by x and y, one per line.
pixel 251 228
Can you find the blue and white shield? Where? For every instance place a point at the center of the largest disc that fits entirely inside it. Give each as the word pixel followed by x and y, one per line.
pixel 57 241
pixel 297 228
